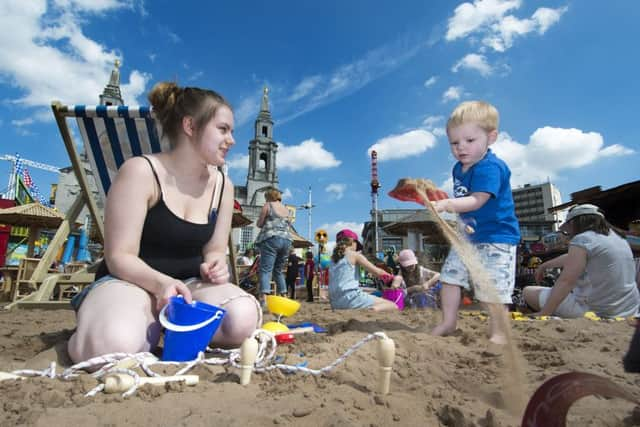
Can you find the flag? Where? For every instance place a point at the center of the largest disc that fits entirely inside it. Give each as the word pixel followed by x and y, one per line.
pixel 26 178
pixel 22 173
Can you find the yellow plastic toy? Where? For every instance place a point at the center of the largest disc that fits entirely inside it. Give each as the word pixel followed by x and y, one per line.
pixel 280 306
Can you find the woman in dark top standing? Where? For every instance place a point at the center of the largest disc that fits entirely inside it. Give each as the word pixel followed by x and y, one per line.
pixel 167 221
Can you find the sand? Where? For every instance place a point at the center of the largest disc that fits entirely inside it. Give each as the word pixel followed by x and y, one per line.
pixel 453 381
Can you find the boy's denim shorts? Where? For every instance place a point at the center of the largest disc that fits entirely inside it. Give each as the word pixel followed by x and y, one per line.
pixel 499 260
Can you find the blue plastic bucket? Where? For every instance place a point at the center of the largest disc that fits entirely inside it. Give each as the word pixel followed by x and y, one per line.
pixel 188 328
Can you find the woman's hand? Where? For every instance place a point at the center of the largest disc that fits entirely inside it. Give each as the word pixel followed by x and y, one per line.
pixel 170 289
pixel 215 271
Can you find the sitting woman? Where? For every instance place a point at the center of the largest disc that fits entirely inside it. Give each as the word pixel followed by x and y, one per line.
pixel 597 273
pixel 344 287
pixel 420 282
pixel 167 223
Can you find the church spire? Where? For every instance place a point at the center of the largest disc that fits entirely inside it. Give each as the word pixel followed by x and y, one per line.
pixel 111 94
pixel 264 123
pixel 265 100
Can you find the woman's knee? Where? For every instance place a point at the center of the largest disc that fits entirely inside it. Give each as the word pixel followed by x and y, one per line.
pixel 239 322
pixel 114 335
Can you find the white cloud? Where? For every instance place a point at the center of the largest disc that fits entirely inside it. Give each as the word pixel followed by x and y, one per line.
pixel 616 150
pixel 434 124
pixel 247 109
pixel 498 30
pixel 132 91
pixel 552 150
pixel 286 194
pixel 92 5
pixel 23 122
pixel 410 143
pixel 321 89
pixel 309 154
pixel 430 81
pixel 239 161
pixel 305 87
pixel 173 37
pixel 77 67
pixel 453 93
pixel 337 190
pixel 431 121
pixel 474 61
pixel 545 17
pixel 469 17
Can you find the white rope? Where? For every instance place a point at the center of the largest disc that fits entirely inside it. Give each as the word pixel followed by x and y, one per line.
pixel 265 359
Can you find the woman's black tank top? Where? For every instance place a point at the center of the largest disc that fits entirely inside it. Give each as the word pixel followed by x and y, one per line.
pixel 170 244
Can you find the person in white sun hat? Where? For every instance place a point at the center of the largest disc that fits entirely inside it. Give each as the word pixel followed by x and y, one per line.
pixel 597 272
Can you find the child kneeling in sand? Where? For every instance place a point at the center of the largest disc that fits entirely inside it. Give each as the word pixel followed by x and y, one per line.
pixel 419 281
pixel 344 287
pixel 483 197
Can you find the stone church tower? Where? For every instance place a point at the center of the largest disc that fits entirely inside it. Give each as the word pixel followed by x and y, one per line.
pixel 262 173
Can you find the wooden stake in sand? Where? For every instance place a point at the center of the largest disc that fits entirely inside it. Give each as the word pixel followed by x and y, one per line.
pixel 248 353
pixel 386 354
pixel 118 383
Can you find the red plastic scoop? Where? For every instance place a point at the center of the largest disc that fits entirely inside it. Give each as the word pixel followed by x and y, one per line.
pixel 409 190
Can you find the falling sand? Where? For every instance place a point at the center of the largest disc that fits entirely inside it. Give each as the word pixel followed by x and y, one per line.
pixel 422 191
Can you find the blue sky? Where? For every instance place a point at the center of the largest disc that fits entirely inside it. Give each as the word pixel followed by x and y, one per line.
pixel 346 77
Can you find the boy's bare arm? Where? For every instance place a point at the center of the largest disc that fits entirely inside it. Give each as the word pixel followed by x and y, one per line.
pixel 469 203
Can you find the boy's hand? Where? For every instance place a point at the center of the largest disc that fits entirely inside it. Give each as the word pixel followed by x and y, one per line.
pixel 437 194
pixel 443 205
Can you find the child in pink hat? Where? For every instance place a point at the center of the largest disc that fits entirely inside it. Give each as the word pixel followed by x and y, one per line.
pixel 344 289
pixel 414 277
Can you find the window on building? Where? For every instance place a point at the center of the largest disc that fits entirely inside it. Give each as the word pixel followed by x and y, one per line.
pixel 246 238
pixel 264 161
pixel 264 131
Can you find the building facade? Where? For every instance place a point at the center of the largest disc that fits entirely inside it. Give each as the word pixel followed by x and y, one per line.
pixel 532 204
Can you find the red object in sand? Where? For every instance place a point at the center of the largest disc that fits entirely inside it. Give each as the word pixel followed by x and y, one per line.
pixel 285 338
pixel 549 405
pixel 406 190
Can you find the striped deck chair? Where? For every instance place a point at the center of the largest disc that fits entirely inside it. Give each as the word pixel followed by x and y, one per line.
pixel 111 135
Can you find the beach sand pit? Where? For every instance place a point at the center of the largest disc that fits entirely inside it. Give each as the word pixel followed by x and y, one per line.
pixel 453 381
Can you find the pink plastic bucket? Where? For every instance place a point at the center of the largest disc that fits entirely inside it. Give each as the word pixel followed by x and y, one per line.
pixel 395 295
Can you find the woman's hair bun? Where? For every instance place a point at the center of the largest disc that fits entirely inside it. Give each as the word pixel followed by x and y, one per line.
pixel 163 97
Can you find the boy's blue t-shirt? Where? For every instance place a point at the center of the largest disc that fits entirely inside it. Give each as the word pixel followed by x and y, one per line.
pixel 495 221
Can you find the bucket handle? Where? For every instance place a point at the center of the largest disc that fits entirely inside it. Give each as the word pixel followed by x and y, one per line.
pixel 167 324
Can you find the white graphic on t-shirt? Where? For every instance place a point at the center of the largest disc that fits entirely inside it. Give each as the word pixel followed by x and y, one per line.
pixel 459 190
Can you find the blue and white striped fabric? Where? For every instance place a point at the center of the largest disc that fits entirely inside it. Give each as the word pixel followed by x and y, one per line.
pixel 113 134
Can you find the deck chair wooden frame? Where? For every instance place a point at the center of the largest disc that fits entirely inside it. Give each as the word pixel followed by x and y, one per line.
pixel 111 135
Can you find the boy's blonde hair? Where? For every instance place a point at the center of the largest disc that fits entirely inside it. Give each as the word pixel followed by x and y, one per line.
pixel 480 112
